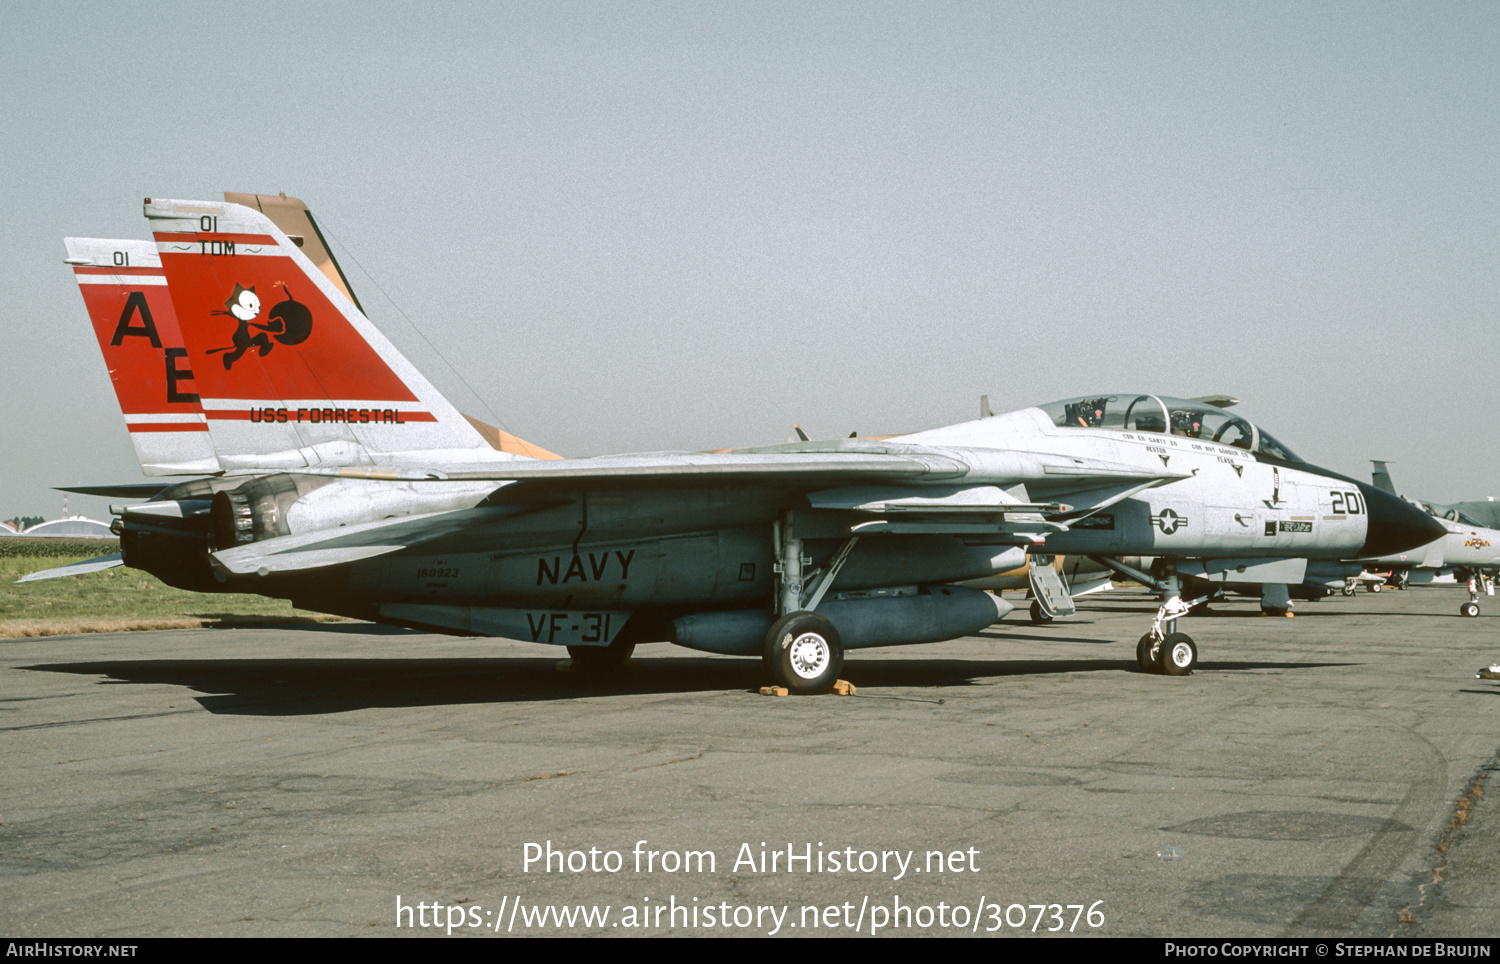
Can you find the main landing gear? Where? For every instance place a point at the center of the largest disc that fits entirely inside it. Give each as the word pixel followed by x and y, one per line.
pixel 803 651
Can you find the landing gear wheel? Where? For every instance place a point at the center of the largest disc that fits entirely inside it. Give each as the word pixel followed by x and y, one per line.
pixel 613 656
pixel 1347 590
pixel 1403 579
pixel 1037 616
pixel 1179 654
pixel 1145 654
pixel 1469 609
pixel 804 653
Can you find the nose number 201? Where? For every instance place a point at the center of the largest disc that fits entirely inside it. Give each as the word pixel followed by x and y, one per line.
pixel 1348 503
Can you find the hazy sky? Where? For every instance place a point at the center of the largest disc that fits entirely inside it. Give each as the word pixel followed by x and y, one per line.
pixel 683 226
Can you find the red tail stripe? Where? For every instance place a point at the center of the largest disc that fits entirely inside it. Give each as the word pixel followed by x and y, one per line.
pixel 166 426
pixel 117 269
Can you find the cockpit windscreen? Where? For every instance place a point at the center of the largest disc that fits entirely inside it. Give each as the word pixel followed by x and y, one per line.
pixel 1182 417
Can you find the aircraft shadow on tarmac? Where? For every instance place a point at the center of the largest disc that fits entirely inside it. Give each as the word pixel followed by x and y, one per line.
pixel 1046 639
pixel 308 625
pixel 299 687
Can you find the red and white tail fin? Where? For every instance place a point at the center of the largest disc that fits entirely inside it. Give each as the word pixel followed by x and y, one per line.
pixel 290 372
pixel 125 292
pixel 296 221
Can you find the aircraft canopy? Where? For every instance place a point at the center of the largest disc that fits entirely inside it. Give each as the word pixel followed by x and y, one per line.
pixel 1451 514
pixel 1164 414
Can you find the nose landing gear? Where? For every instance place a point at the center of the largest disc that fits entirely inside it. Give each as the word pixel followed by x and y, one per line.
pixel 1471 608
pixel 1174 655
pixel 1165 650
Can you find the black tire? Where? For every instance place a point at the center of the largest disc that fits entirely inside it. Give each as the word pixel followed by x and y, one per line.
pixel 1037 616
pixel 1179 654
pixel 1347 590
pixel 1145 656
pixel 1469 609
pixel 804 653
pixel 613 656
pixel 1373 587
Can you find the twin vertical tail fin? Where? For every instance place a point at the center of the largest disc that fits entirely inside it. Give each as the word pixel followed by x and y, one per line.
pixel 296 221
pixel 289 371
pixel 125 292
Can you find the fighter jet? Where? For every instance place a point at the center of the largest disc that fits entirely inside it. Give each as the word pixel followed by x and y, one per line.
pixel 348 484
pixel 1468 549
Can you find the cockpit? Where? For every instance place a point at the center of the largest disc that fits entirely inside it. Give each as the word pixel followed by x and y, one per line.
pixel 1162 414
pixel 1451 514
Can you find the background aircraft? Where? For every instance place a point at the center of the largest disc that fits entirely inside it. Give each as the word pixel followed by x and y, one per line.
pixel 1469 550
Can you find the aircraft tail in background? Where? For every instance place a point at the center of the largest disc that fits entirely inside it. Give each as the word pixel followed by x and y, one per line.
pixel 1381 476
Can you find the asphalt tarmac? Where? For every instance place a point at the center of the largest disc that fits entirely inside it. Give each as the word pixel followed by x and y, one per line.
pixel 1322 776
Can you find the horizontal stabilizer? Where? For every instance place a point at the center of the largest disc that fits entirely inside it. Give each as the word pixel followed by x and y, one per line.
pixel 135 490
pixel 264 564
pixel 331 547
pixel 314 550
pixel 76 569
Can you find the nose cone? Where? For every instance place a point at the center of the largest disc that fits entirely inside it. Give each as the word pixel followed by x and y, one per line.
pixel 1395 525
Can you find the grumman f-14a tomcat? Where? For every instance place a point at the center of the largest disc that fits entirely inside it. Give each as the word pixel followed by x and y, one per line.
pixel 347 484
